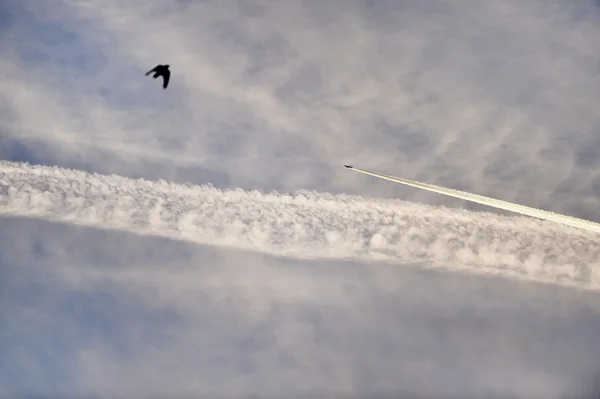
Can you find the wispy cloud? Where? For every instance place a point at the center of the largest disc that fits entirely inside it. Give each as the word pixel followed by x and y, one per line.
pixel 491 98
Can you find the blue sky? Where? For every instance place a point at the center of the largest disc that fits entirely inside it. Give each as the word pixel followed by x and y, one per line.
pixel 117 287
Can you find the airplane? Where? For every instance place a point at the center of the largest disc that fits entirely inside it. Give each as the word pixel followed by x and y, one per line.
pixel 493 202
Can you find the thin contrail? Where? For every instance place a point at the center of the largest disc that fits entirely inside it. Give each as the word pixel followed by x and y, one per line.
pixel 496 203
pixel 307 224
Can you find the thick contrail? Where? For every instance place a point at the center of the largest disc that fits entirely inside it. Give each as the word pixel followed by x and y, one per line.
pixel 307 224
pixel 496 203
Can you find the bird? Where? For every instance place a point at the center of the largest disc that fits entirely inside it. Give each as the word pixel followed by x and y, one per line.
pixel 161 70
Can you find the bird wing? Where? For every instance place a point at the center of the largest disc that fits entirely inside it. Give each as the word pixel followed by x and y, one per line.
pixel 166 75
pixel 152 70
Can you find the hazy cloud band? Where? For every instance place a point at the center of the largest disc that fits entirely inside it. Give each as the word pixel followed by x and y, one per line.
pixel 305 224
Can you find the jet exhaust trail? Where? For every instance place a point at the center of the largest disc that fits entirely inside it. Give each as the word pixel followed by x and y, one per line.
pixel 496 203
pixel 307 224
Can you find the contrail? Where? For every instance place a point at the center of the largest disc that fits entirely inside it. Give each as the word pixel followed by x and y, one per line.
pixel 307 224
pixel 496 203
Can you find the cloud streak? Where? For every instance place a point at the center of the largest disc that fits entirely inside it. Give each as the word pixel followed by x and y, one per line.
pixel 306 224
pixel 491 202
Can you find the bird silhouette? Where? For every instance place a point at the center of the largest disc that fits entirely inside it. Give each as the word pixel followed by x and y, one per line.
pixel 161 70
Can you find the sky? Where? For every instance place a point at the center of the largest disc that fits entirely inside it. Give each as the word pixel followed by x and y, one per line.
pixel 248 260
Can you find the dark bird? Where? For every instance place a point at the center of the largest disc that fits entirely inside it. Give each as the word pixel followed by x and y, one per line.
pixel 161 70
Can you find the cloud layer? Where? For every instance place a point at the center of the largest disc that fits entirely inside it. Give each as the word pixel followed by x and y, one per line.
pixel 317 287
pixel 90 312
